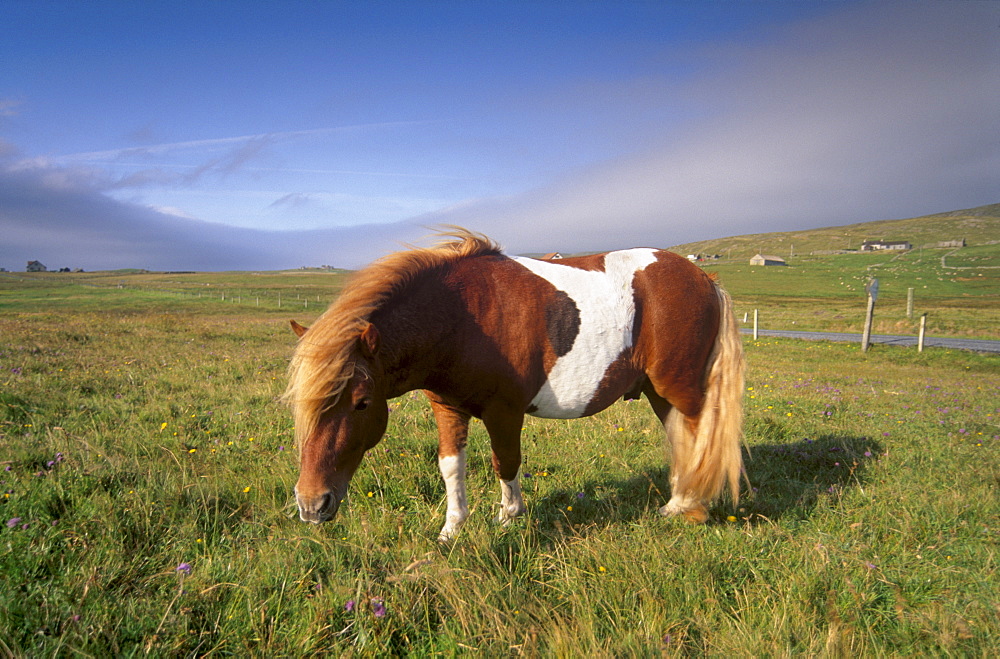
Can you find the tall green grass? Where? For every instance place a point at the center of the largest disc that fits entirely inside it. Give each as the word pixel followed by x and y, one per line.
pixel 149 467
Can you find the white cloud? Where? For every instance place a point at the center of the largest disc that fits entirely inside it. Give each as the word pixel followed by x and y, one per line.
pixel 9 107
pixel 871 111
pixel 54 214
pixel 857 116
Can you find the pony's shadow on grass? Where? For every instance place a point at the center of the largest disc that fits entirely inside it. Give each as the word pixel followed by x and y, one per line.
pixel 786 480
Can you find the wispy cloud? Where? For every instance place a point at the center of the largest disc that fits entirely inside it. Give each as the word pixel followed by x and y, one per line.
pixel 50 214
pixel 867 112
pixel 235 154
pixel 9 107
pixel 220 143
pixel 293 200
pixel 858 116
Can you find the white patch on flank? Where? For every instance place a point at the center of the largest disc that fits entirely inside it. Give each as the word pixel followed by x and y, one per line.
pixel 607 313
pixel 453 471
pixel 511 502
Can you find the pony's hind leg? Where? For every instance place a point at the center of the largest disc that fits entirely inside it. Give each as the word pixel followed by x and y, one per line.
pixel 504 429
pixel 684 501
pixel 680 431
pixel 511 501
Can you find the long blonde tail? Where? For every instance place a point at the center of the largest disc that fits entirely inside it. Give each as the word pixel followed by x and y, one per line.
pixel 707 450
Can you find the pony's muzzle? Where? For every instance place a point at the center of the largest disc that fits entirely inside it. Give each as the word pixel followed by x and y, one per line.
pixel 319 508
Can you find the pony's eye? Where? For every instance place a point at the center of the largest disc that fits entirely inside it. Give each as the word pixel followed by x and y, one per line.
pixel 362 405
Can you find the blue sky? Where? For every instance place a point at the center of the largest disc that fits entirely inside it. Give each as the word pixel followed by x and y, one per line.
pixel 225 135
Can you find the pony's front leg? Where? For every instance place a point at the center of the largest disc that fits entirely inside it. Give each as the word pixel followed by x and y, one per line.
pixel 505 440
pixel 453 431
pixel 453 472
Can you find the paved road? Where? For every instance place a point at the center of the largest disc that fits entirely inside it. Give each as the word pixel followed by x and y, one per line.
pixel 979 345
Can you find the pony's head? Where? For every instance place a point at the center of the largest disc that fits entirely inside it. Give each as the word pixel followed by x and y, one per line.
pixel 335 428
pixel 337 383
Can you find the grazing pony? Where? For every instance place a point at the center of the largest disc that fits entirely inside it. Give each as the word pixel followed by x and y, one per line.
pixel 496 337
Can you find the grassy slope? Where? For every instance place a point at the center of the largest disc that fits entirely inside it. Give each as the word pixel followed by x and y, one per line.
pixel 979 226
pixel 958 289
pixel 142 433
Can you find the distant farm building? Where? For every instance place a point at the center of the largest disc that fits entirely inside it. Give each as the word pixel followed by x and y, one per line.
pixel 952 243
pixel 36 266
pixel 761 259
pixel 552 256
pixel 875 245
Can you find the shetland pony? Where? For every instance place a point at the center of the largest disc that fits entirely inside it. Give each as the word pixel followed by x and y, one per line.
pixel 496 337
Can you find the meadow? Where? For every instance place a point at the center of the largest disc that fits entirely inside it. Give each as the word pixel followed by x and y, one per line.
pixel 148 467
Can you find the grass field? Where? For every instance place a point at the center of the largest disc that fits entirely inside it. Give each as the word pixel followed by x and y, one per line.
pixel 959 289
pixel 148 467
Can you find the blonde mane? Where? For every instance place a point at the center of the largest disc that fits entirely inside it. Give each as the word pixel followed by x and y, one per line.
pixel 323 361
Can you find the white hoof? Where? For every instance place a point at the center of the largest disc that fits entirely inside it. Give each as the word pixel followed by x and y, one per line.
pixel 451 528
pixel 687 507
pixel 508 514
pixel 511 501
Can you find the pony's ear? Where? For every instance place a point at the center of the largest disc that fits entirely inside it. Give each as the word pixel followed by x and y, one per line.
pixel 369 341
pixel 298 329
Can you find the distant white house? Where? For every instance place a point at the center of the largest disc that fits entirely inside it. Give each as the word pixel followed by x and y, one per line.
pixel 36 266
pixel 761 259
pixel 874 245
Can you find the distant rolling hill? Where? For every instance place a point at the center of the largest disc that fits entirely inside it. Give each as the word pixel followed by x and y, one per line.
pixel 978 226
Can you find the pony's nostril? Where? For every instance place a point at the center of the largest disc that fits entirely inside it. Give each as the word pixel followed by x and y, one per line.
pixel 325 502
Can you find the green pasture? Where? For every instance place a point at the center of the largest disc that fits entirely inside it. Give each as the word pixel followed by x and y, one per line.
pixel 827 293
pixel 147 467
pixel 958 290
pixel 979 227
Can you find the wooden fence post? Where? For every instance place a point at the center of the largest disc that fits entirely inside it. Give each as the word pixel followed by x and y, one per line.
pixel 920 334
pixel 872 289
pixel 754 324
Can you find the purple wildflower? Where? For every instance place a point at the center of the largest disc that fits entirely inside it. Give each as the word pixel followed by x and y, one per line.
pixel 378 608
pixel 184 567
pixel 50 464
pixel 868 454
pixel 349 607
pixel 870 566
pixel 13 521
pixel 579 495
